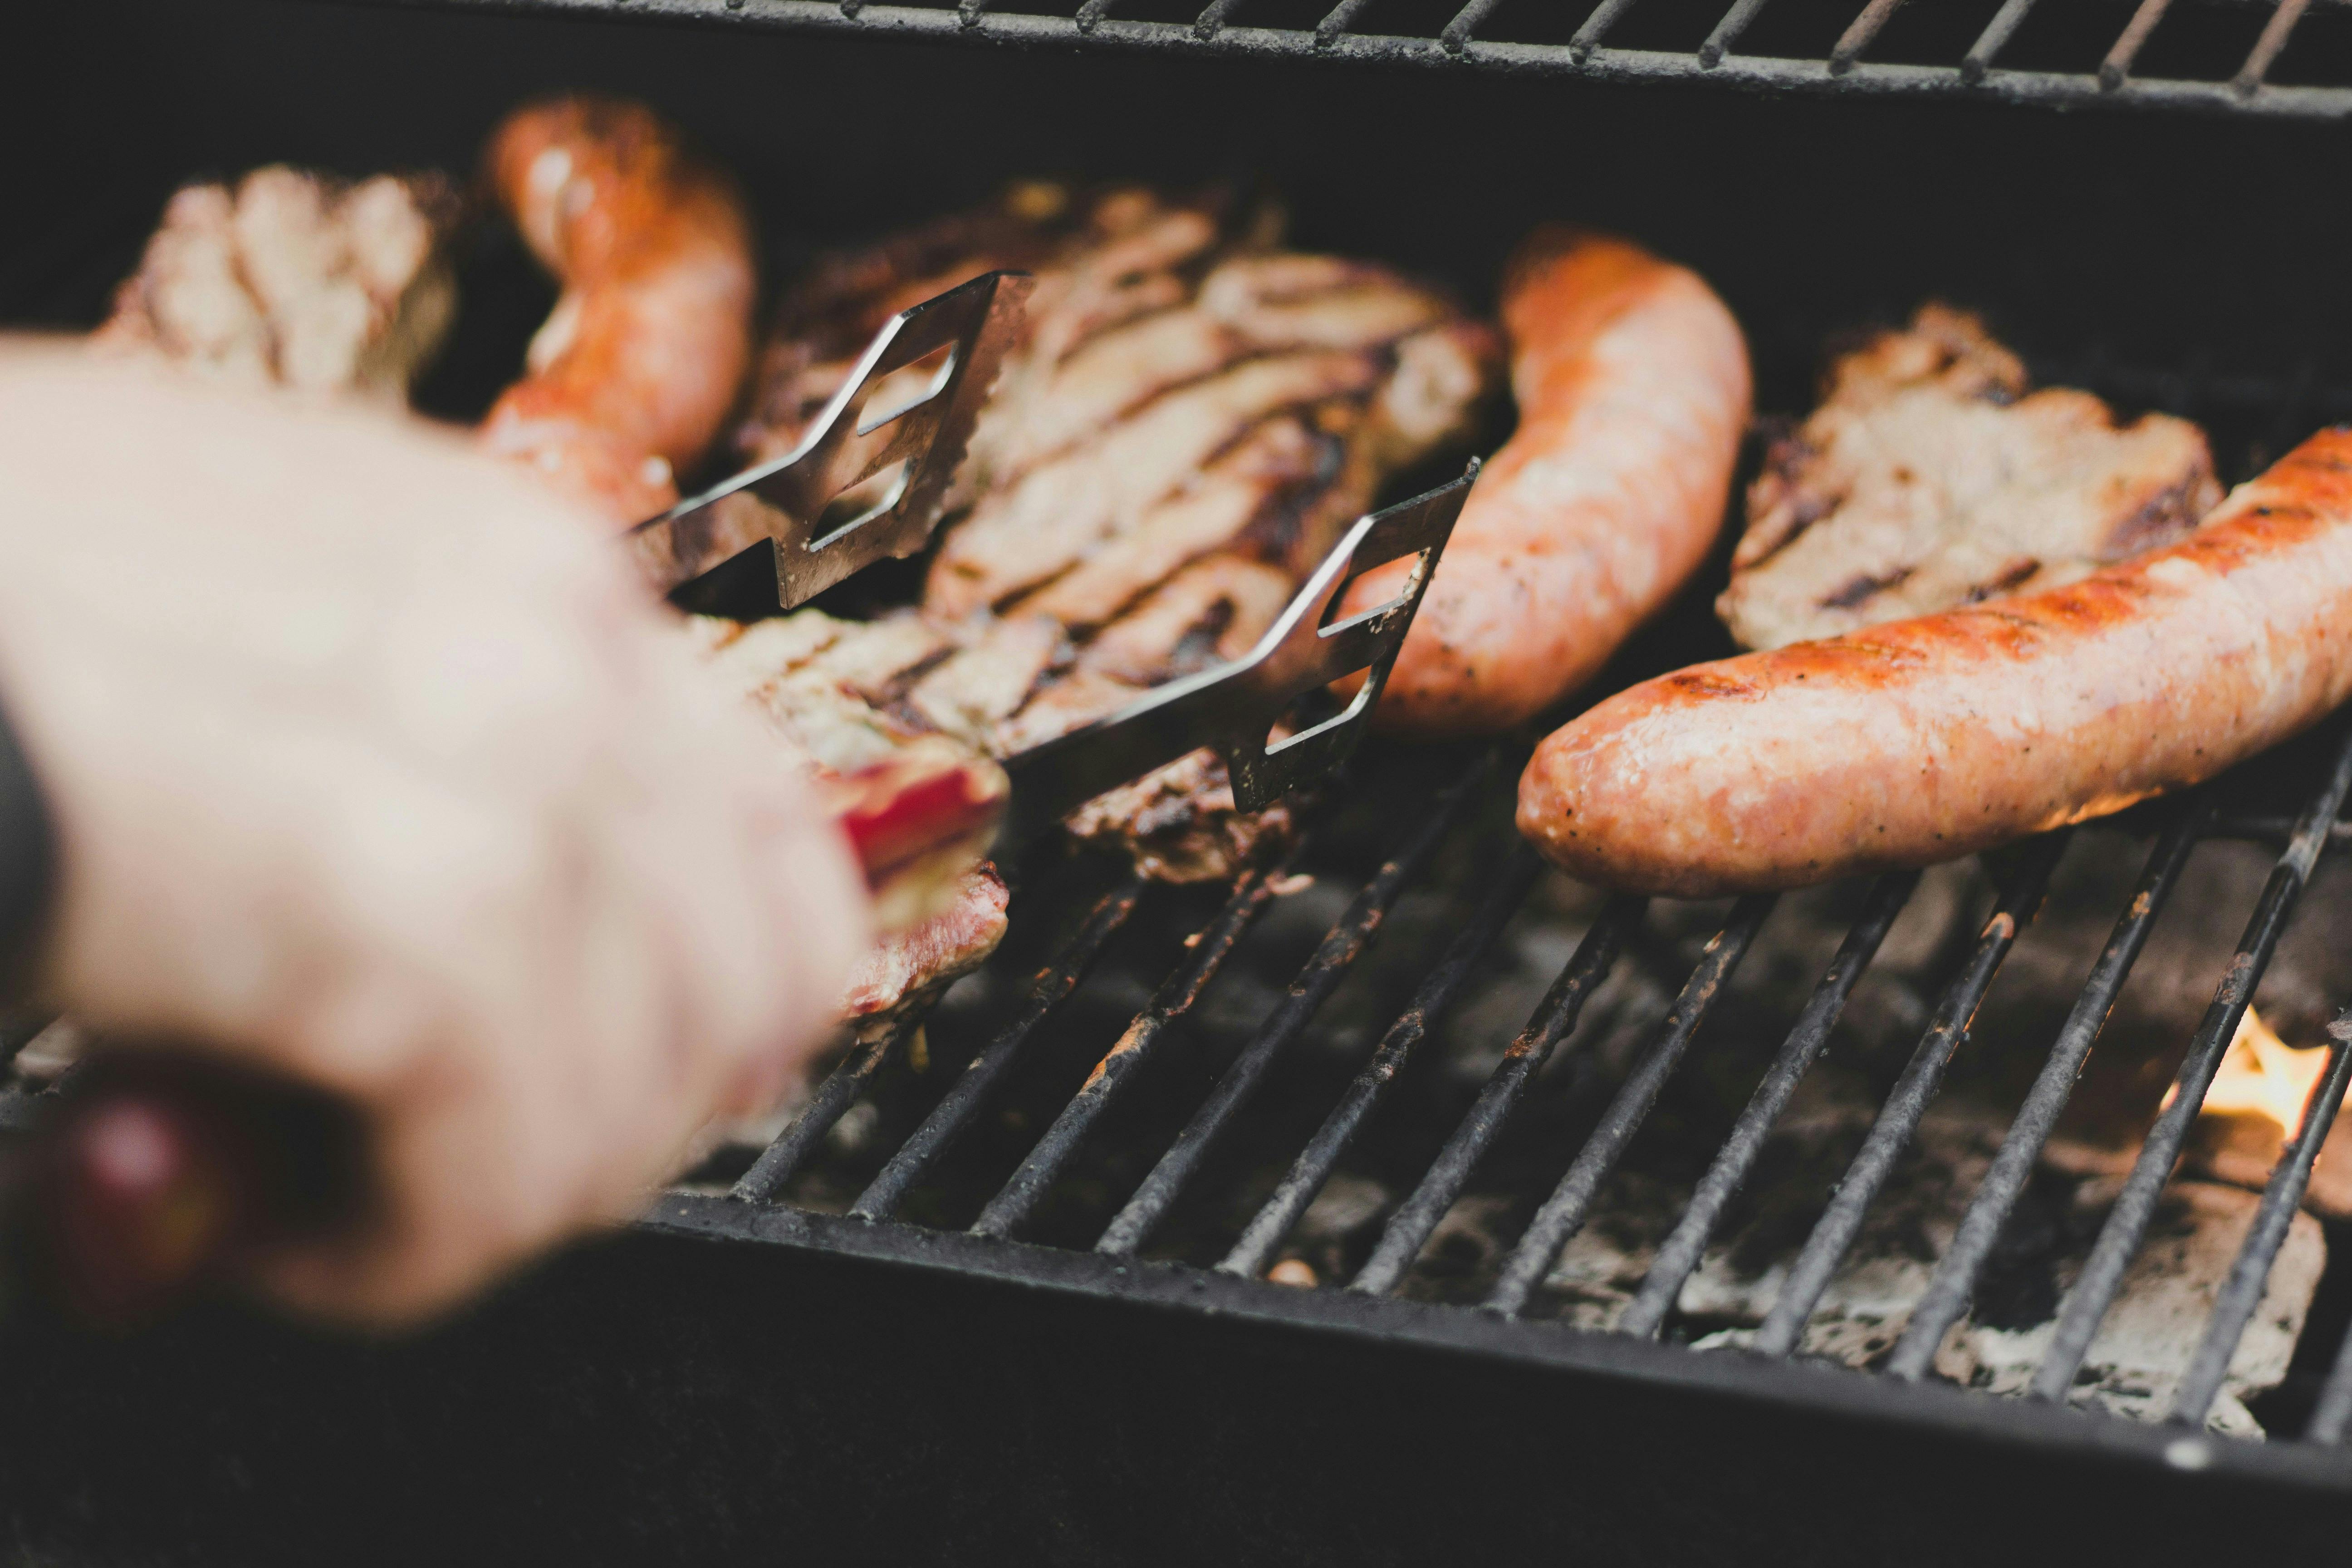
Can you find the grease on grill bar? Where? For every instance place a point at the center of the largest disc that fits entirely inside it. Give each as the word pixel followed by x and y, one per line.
pixel 1494 879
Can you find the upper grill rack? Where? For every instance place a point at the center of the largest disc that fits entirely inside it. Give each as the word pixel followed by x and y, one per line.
pixel 1506 873
pixel 2221 56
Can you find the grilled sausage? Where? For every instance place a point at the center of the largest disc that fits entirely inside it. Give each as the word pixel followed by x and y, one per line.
pixel 1923 740
pixel 1632 385
pixel 639 362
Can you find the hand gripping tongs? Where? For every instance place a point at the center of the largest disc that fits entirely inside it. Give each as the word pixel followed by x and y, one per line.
pixel 264 1162
pixel 863 486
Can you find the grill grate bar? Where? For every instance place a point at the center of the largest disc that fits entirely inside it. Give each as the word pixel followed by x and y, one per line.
pixel 2119 1239
pixel 956 1108
pixel 1308 1173
pixel 1954 1285
pixel 1211 21
pixel 1858 35
pixel 2116 66
pixel 2275 831
pixel 1996 36
pixel 1684 1248
pixel 1457 34
pixel 1563 1212
pixel 1899 1118
pixel 2249 1271
pixel 17 1032
pixel 1341 17
pixel 1727 32
pixel 1093 27
pixel 1596 28
pixel 2265 52
pixel 1553 1021
pixel 1341 946
pixel 1005 1213
pixel 781 1160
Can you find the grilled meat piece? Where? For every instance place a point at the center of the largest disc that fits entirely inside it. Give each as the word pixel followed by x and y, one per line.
pixel 1928 478
pixel 1632 387
pixel 817 680
pixel 1929 739
pixel 298 279
pixel 630 379
pixel 1191 420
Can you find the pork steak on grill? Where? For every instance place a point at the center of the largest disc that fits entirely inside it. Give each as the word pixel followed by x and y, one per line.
pixel 1930 478
pixel 1188 423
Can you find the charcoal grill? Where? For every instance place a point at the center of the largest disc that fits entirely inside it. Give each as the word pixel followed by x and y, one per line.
pixel 1013 1305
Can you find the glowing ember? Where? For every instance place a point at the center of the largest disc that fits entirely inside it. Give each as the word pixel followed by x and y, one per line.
pixel 2262 1075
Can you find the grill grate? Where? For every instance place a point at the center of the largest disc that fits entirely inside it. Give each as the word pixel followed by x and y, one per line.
pixel 1505 874
pixel 2219 56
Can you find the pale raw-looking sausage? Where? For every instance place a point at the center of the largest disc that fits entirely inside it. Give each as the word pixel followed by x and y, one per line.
pixel 1921 741
pixel 1632 386
pixel 639 362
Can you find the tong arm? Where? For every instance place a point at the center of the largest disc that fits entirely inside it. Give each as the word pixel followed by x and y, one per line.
pixel 1233 707
pixel 707 553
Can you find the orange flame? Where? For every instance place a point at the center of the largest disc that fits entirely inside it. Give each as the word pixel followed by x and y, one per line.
pixel 2262 1075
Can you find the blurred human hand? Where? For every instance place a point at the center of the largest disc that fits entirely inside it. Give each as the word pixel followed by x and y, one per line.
pixel 371 762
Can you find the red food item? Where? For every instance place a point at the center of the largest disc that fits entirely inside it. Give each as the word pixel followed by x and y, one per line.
pixel 639 362
pixel 1632 385
pixel 918 821
pixel 1925 740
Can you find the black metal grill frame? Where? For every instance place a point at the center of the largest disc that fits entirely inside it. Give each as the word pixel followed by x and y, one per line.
pixel 1975 75
pixel 894 1263
pixel 1365 1307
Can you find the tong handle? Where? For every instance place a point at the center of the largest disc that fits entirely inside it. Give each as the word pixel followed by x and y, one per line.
pixel 1233 707
pixel 752 546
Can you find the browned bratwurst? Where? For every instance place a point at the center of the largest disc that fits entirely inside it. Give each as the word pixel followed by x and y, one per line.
pixel 1632 385
pixel 638 364
pixel 1923 740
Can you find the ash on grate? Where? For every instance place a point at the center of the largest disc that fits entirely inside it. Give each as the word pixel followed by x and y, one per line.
pixel 2135 1363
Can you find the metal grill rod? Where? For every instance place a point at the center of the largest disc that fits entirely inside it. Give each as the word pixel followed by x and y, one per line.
pixel 1341 17
pixel 2119 1239
pixel 1858 35
pixel 1093 25
pixel 2249 1271
pixel 2116 66
pixel 1553 1021
pixel 1596 28
pixel 1898 1119
pixel 781 1160
pixel 2265 52
pixel 1457 34
pixel 1564 1211
pixel 1727 32
pixel 1684 1248
pixel 1010 1209
pixel 1997 34
pixel 955 1110
pixel 1346 941
pixel 1308 1173
pixel 1954 1285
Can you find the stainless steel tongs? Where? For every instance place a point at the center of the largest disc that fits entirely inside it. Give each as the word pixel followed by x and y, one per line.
pixel 864 486
pixel 860 486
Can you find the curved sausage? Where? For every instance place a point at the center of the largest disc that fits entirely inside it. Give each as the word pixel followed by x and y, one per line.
pixel 640 360
pixel 1925 740
pixel 1632 385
